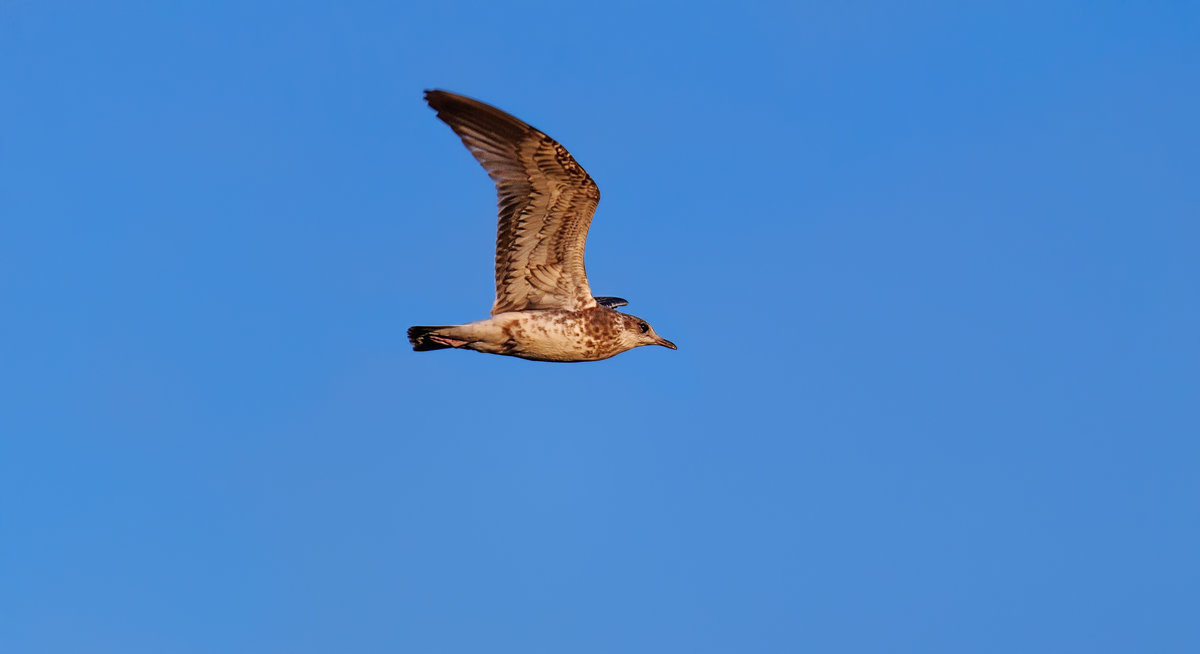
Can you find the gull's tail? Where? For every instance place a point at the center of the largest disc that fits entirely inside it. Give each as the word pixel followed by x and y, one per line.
pixel 420 337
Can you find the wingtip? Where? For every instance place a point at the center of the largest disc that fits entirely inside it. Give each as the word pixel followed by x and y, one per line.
pixel 439 99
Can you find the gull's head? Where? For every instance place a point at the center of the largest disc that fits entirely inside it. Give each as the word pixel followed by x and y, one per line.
pixel 636 332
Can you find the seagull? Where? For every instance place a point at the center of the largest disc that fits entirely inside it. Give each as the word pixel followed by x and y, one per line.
pixel 544 309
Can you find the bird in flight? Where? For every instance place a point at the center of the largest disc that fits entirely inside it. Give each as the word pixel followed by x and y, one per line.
pixel 544 308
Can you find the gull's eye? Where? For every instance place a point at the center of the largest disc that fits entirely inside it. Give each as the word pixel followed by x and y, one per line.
pixel 644 327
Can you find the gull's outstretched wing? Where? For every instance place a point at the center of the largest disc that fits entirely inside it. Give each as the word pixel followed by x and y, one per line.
pixel 546 203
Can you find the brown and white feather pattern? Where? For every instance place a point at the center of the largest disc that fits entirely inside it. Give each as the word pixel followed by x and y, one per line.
pixel 546 202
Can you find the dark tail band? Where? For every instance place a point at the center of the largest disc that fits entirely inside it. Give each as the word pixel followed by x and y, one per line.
pixel 419 337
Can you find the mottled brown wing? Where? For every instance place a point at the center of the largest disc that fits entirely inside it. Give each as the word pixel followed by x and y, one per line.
pixel 546 204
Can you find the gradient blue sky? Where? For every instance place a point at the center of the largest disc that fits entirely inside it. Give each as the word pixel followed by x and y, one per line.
pixel 932 268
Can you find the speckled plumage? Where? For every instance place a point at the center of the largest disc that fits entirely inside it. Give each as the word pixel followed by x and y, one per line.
pixel 544 309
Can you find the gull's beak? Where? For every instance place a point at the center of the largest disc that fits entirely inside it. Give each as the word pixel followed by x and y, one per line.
pixel 665 343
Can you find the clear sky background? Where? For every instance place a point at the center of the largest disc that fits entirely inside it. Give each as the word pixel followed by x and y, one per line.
pixel 932 268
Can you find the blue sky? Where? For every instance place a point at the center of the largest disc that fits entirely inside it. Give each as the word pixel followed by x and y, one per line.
pixel 932 269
